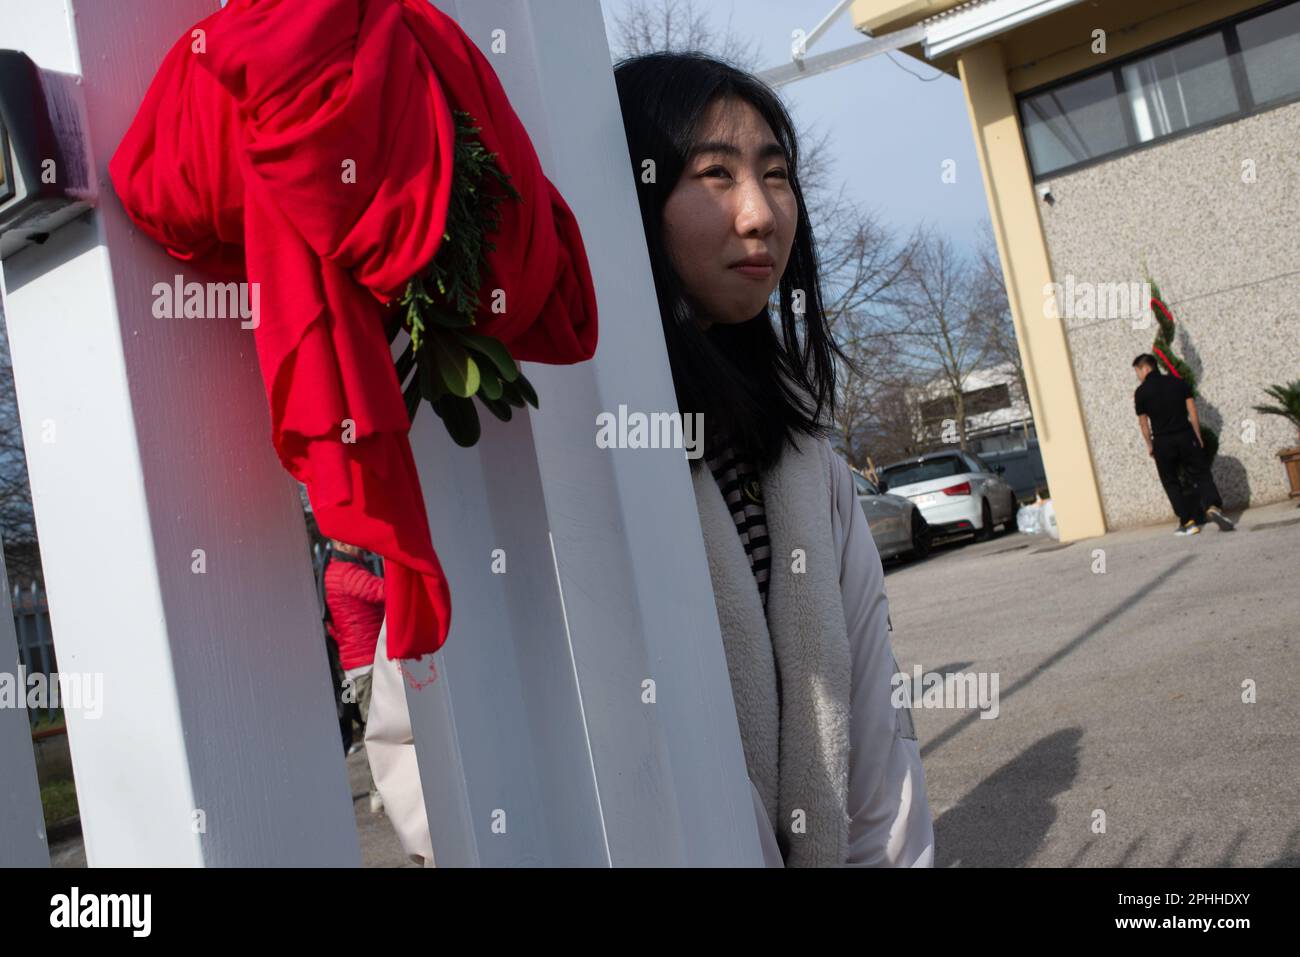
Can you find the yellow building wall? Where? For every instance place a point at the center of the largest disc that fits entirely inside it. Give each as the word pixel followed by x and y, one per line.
pixel 1026 269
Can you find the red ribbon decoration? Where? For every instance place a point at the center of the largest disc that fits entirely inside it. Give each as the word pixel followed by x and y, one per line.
pixel 1157 302
pixel 307 146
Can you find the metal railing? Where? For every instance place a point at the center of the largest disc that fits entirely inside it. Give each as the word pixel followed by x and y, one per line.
pixel 35 641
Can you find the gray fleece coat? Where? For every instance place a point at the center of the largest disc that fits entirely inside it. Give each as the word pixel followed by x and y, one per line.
pixel 835 769
pixel 832 762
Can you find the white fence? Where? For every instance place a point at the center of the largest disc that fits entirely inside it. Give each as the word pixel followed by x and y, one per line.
pixel 218 744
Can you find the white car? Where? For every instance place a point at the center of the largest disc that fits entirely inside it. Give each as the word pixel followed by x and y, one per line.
pixel 897 527
pixel 955 491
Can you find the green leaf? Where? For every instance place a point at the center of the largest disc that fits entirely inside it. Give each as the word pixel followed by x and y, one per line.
pixel 412 399
pixel 457 368
pixel 452 365
pixel 498 407
pixel 494 350
pixel 511 396
pixel 415 324
pixel 447 319
pixel 519 393
pixel 491 382
pixel 461 419
pixel 526 390
pixel 430 383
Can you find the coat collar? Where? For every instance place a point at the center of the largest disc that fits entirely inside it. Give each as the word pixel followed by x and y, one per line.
pixel 796 743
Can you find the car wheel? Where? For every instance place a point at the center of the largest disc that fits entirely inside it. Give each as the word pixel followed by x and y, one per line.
pixel 985 531
pixel 1010 525
pixel 921 536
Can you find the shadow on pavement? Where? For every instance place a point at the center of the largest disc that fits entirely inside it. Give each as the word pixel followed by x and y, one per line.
pixel 1003 821
pixel 950 732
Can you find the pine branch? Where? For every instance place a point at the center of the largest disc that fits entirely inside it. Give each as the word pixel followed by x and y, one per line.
pixel 440 304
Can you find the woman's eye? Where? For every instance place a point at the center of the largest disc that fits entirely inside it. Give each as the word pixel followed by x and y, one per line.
pixel 715 170
pixel 779 173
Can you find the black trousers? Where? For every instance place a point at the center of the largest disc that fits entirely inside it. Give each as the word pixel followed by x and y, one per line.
pixel 1181 451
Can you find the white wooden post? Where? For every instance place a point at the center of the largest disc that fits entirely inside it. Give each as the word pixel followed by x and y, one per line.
pixel 22 822
pixel 148 449
pixel 536 745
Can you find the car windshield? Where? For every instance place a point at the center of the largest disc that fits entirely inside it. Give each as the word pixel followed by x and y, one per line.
pixel 864 486
pixel 909 473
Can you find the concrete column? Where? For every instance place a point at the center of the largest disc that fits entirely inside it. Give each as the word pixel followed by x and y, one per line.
pixel 1044 349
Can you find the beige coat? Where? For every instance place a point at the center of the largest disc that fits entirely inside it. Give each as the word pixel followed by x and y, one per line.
pixel 390 749
pixel 866 805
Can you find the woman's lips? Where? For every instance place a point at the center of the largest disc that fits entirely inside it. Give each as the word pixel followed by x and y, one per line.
pixel 754 272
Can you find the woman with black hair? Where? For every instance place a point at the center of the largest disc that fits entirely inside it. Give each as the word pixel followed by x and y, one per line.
pixel 835 769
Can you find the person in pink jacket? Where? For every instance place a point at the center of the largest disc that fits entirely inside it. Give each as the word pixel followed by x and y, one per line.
pixel 834 768
pixel 354 597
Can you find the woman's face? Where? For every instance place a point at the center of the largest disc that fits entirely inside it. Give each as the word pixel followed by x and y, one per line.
pixel 730 220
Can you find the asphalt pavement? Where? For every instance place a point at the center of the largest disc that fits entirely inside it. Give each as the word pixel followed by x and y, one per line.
pixel 1122 737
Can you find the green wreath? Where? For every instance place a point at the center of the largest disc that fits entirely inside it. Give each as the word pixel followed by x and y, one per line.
pixel 444 363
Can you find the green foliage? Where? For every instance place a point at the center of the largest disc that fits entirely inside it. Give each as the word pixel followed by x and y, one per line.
pixel 1288 402
pixel 1165 339
pixel 1164 343
pixel 59 801
pixel 452 364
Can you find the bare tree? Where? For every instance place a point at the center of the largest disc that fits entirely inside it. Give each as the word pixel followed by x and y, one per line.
pixel 678 26
pixel 940 331
pixel 864 266
pixel 989 293
pixel 877 420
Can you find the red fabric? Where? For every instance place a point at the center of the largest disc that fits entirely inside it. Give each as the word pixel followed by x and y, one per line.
pixel 356 603
pixel 1157 302
pixel 235 162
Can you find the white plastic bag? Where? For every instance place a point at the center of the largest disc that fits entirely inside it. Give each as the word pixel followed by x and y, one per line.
pixel 1038 519
pixel 1049 520
pixel 1030 519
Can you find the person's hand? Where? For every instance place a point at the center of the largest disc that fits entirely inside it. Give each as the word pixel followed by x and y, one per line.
pixel 1151 451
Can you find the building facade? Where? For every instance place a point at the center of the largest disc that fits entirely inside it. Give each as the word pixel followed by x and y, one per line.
pixel 1121 142
pixel 996 409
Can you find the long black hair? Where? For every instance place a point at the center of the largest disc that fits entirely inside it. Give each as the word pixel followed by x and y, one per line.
pixel 755 386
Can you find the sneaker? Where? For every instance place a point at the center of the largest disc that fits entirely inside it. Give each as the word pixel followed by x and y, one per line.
pixel 1189 528
pixel 1215 514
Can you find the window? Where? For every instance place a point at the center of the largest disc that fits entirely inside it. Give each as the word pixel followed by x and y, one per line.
pixel 976 402
pixel 1185 86
pixel 1270 52
pixel 1230 70
pixel 864 485
pixel 936 410
pixel 990 399
pixel 1073 123
pixel 909 473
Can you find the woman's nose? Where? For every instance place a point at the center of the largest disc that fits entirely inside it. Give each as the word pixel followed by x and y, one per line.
pixel 756 216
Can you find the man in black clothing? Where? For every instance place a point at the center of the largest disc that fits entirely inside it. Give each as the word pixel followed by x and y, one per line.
pixel 1167 416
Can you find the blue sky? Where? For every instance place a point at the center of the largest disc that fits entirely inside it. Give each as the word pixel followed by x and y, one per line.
pixel 890 132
